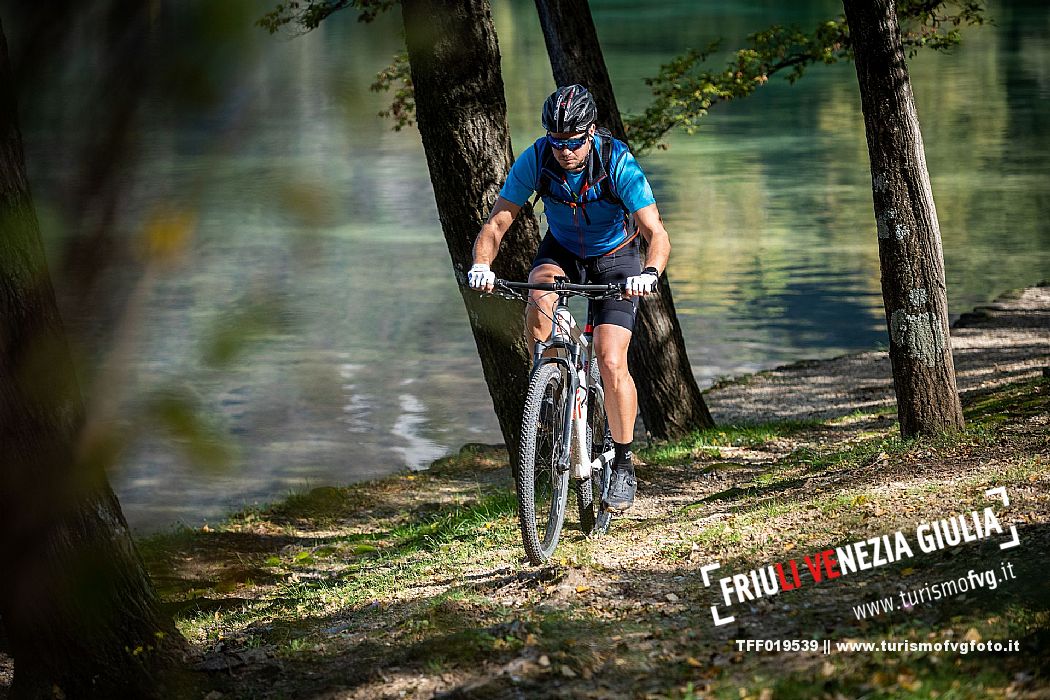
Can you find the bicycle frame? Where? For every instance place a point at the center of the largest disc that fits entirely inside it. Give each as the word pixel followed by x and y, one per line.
pixel 578 348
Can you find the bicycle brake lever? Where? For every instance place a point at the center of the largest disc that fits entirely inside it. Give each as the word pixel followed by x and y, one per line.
pixel 505 293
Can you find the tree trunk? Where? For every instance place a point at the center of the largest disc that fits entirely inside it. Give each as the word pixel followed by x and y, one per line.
pixel 668 396
pixel 77 605
pixel 912 262
pixel 462 116
pixel 97 268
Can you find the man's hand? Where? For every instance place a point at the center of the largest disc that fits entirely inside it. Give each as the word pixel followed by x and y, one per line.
pixel 481 278
pixel 645 283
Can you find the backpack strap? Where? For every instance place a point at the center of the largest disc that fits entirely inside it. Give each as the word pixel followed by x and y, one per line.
pixel 544 158
pixel 607 192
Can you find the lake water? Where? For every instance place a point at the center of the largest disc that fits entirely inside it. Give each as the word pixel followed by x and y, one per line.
pixel 316 233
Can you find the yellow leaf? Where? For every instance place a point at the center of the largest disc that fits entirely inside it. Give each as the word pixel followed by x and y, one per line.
pixel 907 572
pixel 168 233
pixel 693 661
pixel 789 546
pixel 582 589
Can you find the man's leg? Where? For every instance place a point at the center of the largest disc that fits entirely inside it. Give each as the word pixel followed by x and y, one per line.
pixel 621 406
pixel 537 324
pixel 621 398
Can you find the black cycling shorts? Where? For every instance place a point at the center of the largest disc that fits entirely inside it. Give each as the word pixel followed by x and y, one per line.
pixel 610 268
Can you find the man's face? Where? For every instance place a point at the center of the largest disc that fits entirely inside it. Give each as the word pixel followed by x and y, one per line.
pixel 571 159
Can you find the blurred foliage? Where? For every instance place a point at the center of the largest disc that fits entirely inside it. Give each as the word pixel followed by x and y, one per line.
pixel 686 88
pixel 167 234
pixel 234 332
pixel 301 16
pixel 180 411
pixel 403 108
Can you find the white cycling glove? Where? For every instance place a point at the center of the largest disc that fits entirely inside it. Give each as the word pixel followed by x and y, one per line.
pixel 481 278
pixel 644 283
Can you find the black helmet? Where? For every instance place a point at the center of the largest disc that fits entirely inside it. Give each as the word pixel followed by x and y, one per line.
pixel 569 110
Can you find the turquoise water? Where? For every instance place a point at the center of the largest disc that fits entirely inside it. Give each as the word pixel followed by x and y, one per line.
pixel 304 204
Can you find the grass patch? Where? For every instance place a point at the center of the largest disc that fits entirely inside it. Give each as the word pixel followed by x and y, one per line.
pixel 1018 400
pixel 708 441
pixel 350 575
pixel 472 456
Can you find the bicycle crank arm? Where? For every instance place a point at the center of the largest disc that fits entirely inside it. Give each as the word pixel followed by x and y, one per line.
pixel 603 460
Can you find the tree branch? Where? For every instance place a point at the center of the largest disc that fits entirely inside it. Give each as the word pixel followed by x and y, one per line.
pixel 685 90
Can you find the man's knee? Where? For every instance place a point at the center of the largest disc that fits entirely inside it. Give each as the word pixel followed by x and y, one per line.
pixel 612 364
pixel 533 318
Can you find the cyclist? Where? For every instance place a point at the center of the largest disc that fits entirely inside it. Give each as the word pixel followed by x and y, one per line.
pixel 591 187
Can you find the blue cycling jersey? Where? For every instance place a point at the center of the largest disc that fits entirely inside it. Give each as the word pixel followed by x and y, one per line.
pixel 583 223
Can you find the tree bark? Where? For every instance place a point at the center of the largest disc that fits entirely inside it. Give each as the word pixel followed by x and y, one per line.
pixel 668 397
pixel 912 262
pixel 97 268
pixel 461 112
pixel 77 605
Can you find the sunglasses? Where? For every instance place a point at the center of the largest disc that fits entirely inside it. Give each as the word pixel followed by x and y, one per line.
pixel 571 144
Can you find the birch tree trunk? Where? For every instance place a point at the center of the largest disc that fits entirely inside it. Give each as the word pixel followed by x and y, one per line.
pixel 912 262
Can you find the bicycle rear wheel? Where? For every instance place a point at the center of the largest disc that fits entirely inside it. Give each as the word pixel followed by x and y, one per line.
pixel 590 492
pixel 542 485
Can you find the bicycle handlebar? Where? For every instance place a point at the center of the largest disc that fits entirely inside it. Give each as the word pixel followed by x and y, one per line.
pixel 598 290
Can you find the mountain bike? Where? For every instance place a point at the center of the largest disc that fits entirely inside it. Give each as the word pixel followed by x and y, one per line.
pixel 565 430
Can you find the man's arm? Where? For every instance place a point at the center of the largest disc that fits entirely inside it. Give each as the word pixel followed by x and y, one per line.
pixel 486 246
pixel 651 226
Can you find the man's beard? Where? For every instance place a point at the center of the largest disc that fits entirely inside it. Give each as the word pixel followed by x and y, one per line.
pixel 577 168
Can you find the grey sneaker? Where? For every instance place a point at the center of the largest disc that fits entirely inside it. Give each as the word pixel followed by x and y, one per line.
pixel 622 489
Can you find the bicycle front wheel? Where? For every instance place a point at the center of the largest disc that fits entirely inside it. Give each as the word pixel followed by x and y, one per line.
pixel 542 485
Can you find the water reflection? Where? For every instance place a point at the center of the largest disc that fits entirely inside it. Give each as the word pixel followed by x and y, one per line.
pixel 310 207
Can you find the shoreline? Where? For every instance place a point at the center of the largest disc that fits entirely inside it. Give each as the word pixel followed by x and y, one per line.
pixel 1011 335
